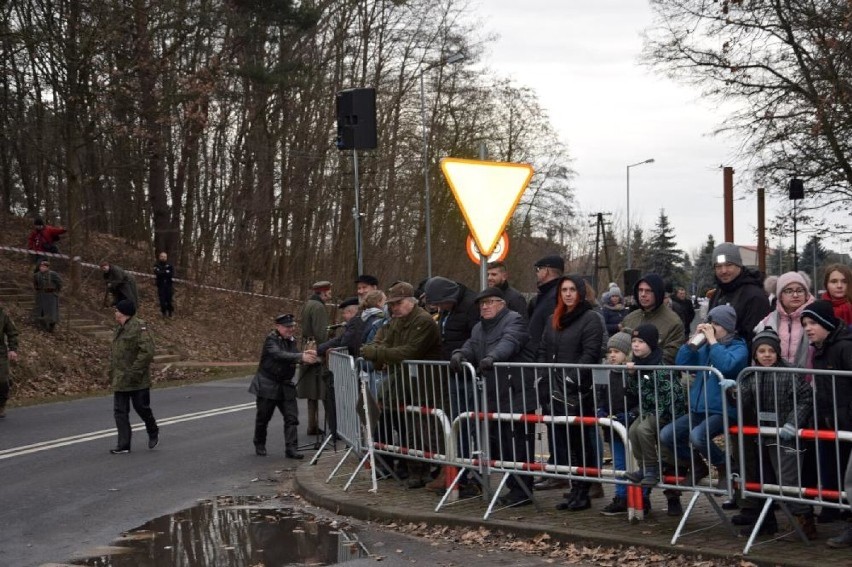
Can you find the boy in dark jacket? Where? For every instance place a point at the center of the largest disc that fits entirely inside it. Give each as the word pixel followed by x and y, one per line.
pixel 661 401
pixel 789 398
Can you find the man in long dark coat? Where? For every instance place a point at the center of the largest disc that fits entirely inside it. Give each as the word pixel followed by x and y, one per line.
pixel 47 285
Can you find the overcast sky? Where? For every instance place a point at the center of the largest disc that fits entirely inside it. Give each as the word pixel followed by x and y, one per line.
pixel 581 57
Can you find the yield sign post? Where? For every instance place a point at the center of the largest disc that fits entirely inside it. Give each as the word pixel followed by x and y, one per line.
pixel 487 193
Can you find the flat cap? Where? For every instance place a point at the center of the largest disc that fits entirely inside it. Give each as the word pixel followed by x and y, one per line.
pixel 553 261
pixel 400 291
pixel 321 286
pixel 348 302
pixel 490 292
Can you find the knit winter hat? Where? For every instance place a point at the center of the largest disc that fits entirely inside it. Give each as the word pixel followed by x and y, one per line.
pixel 648 333
pixel 620 341
pixel 784 280
pixel 724 316
pixel 822 313
pixel 439 290
pixel 126 307
pixel 767 336
pixel 727 252
pixel 615 290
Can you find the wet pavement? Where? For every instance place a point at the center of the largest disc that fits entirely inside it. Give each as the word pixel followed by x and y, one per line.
pixel 705 538
pixel 232 531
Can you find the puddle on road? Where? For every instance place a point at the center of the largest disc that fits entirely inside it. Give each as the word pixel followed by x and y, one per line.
pixel 231 532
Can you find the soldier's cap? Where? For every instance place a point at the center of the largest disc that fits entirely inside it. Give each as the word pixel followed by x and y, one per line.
pixel 348 302
pixel 368 279
pixel 286 320
pixel 126 307
pixel 489 292
pixel 321 286
pixel 44 263
pixel 400 291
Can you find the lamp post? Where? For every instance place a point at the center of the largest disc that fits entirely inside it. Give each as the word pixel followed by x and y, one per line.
pixel 629 251
pixel 454 58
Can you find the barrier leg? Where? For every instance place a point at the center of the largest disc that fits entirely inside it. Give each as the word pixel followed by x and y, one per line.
pixel 321 449
pixel 339 464
pixel 451 491
pixel 494 498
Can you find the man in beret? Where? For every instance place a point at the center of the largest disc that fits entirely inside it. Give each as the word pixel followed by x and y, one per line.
pixel 130 374
pixel 501 336
pixel 364 284
pixel 273 385
pixel 412 334
pixel 312 384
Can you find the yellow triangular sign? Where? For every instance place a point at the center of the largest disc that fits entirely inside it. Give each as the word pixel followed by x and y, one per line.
pixel 487 193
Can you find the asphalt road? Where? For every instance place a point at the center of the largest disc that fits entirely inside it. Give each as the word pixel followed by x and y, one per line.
pixel 61 491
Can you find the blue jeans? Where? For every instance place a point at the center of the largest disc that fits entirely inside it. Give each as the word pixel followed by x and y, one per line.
pixel 678 437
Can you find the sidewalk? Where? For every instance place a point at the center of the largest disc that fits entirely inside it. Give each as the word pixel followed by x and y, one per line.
pixel 395 503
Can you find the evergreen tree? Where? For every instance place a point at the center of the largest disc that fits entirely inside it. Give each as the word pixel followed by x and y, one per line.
pixel 664 257
pixel 639 250
pixel 812 260
pixel 704 278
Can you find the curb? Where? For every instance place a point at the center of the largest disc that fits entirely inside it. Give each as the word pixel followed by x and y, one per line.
pixel 305 484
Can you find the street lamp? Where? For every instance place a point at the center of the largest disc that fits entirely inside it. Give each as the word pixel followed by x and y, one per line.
pixel 454 58
pixel 629 252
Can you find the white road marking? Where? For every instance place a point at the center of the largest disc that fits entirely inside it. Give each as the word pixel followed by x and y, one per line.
pixel 93 435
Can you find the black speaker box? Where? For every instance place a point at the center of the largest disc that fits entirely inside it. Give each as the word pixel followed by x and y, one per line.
pixel 797 189
pixel 356 119
pixel 630 278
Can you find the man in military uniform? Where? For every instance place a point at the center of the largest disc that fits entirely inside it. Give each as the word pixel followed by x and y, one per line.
pixel 314 332
pixel 130 373
pixel 119 283
pixel 8 353
pixel 47 285
pixel 273 385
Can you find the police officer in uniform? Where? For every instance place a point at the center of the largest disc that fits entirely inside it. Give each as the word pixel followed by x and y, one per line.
pixel 129 371
pixel 274 388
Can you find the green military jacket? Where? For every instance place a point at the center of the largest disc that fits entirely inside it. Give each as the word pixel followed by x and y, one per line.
pixel 130 357
pixel 10 332
pixel 413 337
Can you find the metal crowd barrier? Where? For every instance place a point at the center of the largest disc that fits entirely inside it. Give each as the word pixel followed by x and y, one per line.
pixel 346 397
pixel 788 436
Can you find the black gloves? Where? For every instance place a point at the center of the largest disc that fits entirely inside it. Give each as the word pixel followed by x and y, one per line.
pixel 456 361
pixel 486 364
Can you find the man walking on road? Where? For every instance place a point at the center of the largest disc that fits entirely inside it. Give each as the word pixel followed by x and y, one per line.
pixel 130 373
pixel 274 388
pixel 8 353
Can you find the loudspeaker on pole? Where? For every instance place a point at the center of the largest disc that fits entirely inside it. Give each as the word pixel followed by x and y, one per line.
pixel 797 189
pixel 356 119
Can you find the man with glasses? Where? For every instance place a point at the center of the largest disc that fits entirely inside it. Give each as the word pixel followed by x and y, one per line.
pixel 739 287
pixel 501 336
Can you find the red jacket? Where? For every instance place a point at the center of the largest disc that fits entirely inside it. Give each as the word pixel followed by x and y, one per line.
pixel 46 236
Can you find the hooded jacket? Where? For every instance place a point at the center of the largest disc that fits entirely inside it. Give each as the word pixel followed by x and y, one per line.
pixel 664 319
pixel 835 353
pixel 746 295
pixel 706 394
pixel 457 323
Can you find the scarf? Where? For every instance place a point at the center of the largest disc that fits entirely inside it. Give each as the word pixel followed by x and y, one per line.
pixel 842 308
pixel 570 316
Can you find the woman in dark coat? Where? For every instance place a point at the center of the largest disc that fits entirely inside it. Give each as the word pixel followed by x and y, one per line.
pixel 573 335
